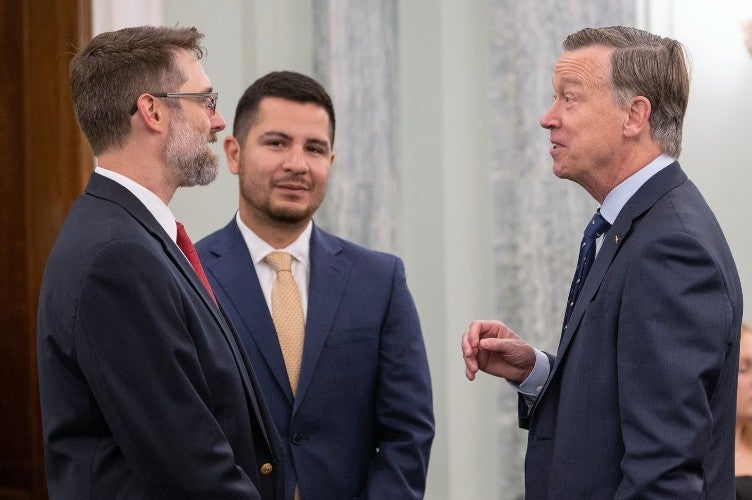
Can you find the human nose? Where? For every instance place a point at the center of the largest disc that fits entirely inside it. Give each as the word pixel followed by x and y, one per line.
pixel 218 122
pixel 296 161
pixel 548 120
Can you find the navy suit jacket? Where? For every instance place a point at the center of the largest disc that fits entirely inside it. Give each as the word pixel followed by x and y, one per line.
pixel 640 402
pixel 362 422
pixel 145 390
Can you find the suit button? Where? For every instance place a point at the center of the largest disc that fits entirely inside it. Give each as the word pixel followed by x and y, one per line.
pixel 297 438
pixel 266 469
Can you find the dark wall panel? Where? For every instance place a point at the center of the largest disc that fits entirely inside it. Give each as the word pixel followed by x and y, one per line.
pixel 45 162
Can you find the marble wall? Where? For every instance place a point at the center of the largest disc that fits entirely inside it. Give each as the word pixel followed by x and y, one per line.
pixel 355 59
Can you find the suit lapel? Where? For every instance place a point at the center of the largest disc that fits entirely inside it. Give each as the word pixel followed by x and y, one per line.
pixel 645 197
pixel 249 378
pixel 241 290
pixel 326 286
pixel 105 188
pixel 613 238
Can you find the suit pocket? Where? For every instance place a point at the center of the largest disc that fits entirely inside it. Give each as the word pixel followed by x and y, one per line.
pixel 599 306
pixel 351 336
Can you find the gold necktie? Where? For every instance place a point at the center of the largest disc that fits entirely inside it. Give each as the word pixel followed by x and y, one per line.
pixel 287 314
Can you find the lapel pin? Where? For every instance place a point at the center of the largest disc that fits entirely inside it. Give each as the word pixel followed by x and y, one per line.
pixel 616 239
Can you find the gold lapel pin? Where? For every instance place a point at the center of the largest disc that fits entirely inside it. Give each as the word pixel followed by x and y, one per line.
pixel 616 239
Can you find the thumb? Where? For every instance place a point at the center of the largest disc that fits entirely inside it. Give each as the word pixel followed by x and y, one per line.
pixel 494 344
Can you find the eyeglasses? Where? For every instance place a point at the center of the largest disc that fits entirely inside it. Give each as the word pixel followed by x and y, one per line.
pixel 208 99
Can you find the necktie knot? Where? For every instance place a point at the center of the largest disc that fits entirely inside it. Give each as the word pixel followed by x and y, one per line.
pixel 280 261
pixel 597 226
pixel 182 238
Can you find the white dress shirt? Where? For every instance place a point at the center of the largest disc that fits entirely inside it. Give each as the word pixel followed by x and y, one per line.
pixel 151 201
pixel 300 249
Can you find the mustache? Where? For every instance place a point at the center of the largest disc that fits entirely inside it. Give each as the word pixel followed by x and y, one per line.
pixel 212 137
pixel 295 179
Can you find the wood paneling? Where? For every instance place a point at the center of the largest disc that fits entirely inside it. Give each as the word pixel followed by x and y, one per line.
pixel 45 161
pixel 15 449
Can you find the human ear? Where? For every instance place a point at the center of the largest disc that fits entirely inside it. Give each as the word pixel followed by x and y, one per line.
pixel 150 112
pixel 232 152
pixel 638 116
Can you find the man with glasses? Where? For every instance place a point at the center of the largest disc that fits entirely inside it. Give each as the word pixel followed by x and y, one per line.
pixel 145 389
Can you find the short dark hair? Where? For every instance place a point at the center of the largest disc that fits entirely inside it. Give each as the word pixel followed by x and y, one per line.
pixel 116 67
pixel 285 85
pixel 644 64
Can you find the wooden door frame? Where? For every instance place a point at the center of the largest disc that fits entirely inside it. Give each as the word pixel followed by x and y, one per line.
pixel 45 162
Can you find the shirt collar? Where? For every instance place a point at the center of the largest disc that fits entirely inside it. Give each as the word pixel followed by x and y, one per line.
pixel 620 195
pixel 151 201
pixel 300 249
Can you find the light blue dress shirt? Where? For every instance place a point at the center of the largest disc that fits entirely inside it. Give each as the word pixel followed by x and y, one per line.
pixel 612 205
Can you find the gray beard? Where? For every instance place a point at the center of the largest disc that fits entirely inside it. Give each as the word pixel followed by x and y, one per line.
pixel 187 154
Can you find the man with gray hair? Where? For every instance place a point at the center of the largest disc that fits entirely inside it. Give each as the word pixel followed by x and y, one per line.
pixel 638 401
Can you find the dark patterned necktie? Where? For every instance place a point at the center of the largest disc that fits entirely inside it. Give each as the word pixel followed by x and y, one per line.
pixel 595 228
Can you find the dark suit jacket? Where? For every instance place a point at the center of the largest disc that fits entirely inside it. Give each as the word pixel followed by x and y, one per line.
pixel 362 422
pixel 145 392
pixel 640 402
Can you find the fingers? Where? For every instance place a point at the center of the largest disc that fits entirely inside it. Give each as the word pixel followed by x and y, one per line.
pixel 469 354
pixel 484 328
pixel 470 344
pixel 492 347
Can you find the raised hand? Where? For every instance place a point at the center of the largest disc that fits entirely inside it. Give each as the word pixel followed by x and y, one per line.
pixel 492 347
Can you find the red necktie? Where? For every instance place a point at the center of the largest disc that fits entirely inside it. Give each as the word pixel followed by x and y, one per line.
pixel 184 242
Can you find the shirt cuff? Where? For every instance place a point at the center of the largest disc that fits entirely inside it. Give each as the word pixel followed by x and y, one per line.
pixel 533 384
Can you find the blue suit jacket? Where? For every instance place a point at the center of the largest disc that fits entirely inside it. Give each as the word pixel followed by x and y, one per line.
pixel 362 422
pixel 145 390
pixel 640 402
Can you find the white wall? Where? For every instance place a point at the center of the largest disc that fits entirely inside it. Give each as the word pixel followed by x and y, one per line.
pixel 445 151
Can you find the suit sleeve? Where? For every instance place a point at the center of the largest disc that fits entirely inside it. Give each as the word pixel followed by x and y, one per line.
pixel 404 407
pixel 674 326
pixel 525 402
pixel 140 358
